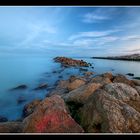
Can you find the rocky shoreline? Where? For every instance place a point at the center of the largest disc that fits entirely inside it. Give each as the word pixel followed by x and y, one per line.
pixel 103 103
pixel 134 57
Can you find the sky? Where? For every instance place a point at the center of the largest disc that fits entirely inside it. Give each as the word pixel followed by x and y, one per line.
pixel 69 31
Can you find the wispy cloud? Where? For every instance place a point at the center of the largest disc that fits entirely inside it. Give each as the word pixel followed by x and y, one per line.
pixel 99 15
pixel 131 37
pixel 93 34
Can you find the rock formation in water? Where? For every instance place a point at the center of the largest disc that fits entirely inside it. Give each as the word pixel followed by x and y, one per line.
pixel 71 62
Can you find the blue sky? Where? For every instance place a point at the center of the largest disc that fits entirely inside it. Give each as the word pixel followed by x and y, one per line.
pixel 70 31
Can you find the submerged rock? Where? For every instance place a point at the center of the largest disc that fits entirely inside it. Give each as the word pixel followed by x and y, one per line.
pixel 130 74
pixel 41 86
pixel 51 116
pixel 21 100
pixel 20 87
pixel 138 78
pixel 3 119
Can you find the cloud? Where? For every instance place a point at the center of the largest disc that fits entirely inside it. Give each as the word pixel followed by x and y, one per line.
pixel 131 37
pixel 36 30
pixel 93 34
pixel 99 15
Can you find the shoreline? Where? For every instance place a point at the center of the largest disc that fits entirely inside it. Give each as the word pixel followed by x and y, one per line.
pixel 112 58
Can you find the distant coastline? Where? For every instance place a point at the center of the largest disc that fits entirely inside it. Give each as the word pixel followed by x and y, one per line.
pixel 133 57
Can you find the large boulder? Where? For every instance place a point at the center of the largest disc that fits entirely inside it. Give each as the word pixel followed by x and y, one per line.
pixel 81 94
pixel 136 82
pixel 60 89
pixel 11 127
pixel 124 93
pixel 75 84
pixel 105 113
pixel 107 75
pixel 122 79
pixel 138 89
pixel 51 116
pixel 101 80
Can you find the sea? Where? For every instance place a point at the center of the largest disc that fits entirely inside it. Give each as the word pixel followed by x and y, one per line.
pixel 35 70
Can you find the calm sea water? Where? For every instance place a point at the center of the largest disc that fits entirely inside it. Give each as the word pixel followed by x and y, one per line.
pixel 33 71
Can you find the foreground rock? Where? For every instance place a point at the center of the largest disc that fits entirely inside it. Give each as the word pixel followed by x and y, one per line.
pixel 115 109
pixel 11 127
pixel 122 79
pixel 81 94
pixel 65 86
pixel 71 62
pixel 51 116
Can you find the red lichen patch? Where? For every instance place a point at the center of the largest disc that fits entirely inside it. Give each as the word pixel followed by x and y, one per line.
pixel 57 121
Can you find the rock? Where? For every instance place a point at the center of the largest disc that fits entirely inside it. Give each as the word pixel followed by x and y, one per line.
pixel 61 88
pixel 72 78
pixel 130 74
pixel 11 127
pixel 75 84
pixel 20 87
pixel 3 119
pixel 51 116
pixel 122 79
pixel 103 113
pixel 101 80
pixel 21 100
pixel 108 75
pixel 54 71
pixel 88 73
pixel 60 76
pixel 138 78
pixel 136 82
pixel 30 107
pixel 81 94
pixel 138 89
pixel 82 69
pixel 41 86
pixel 70 62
